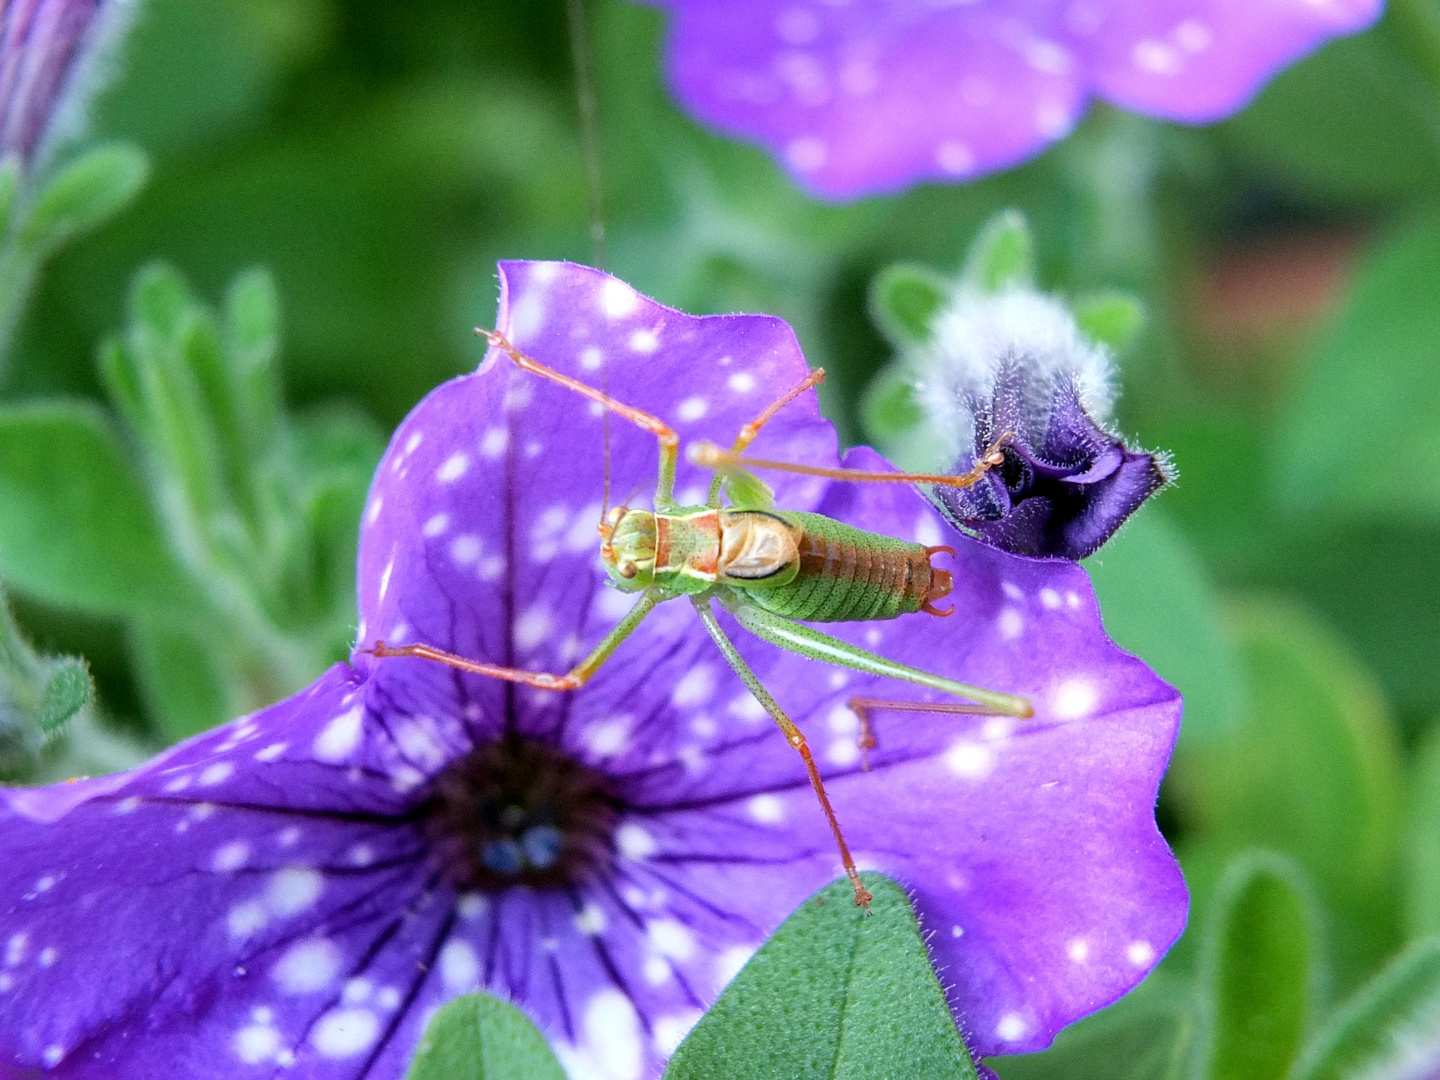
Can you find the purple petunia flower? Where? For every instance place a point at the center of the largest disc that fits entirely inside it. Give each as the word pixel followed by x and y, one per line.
pixel 870 96
pixel 305 885
pixel 46 69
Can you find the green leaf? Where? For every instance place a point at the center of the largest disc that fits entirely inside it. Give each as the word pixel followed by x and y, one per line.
pixel 889 409
pixel 835 993
pixel 1184 638
pixel 479 1037
pixel 86 192
pixel 252 340
pixel 181 676
pixel 1146 1035
pixel 1313 771
pixel 1003 255
pixel 67 692
pixel 1374 372
pixel 1390 1029
pixel 1112 318
pixel 75 526
pixel 1422 840
pixel 904 300
pixel 9 184
pixel 1256 981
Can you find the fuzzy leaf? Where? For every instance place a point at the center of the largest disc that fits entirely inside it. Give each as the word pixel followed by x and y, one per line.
pixel 835 993
pixel 9 184
pixel 75 526
pixel 1256 981
pixel 904 299
pixel 67 692
pixel 1114 319
pixel 1390 1029
pixel 1422 840
pixel 1003 255
pixel 479 1037
pixel 90 189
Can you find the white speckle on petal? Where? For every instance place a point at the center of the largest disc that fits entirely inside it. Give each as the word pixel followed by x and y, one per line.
pixel 841 720
pixel 231 856
pixel 459 966
pixel 307 966
pixel 15 948
pixel 1074 699
pixel 373 514
pixel 692 408
pixel 609 736
pixel 1010 624
pixel 256 1043
pixel 1050 599
pixel 670 1031
pixel 47 957
pixel 671 938
pixel 1193 36
pixel 357 991
pixel 453 468
pixel 613 1037
pixel 288 836
pixel 695 688
pixel 45 884
pixel 1140 953
pixel 340 737
pixel 385 577
pixel 644 341
pixel 470 906
pixel 656 970
pixel 271 752
pixel 1012 1027
pixel 127 806
pixel 344 1033
pixel 729 962
pixel 797 25
pixel 742 382
pixel 388 998
pixel 972 761
pixel 180 783
pixel 746 708
pixel 926 531
pixel 1078 950
pixel 1156 57
pixel 591 358
pixel 246 919
pixel 1047 57
pixel 293 889
pixel 1053 119
pixel 634 842
pixel 491 567
pixel 617 299
pixel 766 809
pixel 413 443
pixel 217 773
pixel 955 157
pixel 533 626
pixel 361 855
pixel 53 1055
pixel 807 153
pixel 435 526
pixel 842 752
pixel 591 921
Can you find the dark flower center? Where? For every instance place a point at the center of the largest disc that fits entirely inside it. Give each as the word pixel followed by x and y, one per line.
pixel 520 812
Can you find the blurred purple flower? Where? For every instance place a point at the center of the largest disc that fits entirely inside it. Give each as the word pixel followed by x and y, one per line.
pixel 870 96
pixel 48 50
pixel 304 886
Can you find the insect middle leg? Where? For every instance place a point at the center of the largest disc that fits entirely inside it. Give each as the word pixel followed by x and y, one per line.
pixel 793 735
pixel 669 440
pixel 862 706
pixel 575 678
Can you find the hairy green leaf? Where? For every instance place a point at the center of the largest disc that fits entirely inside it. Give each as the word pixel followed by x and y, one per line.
pixel 86 192
pixel 75 526
pixel 1256 982
pixel 1390 1029
pixel 67 691
pixel 904 299
pixel 1003 255
pixel 835 993
pixel 1112 318
pixel 479 1037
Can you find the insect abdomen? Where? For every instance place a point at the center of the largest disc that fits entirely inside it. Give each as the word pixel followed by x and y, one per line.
pixel 848 574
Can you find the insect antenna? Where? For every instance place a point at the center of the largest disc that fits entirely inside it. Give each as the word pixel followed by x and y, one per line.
pixel 589 109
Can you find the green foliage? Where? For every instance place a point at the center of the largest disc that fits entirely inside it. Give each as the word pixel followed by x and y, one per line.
pixel 1184 639
pixel 1362 434
pixel 1422 840
pixel 1002 256
pixel 39 695
pixel 1112 318
pixel 1390 1029
pixel 1257 988
pixel 903 301
pixel 86 192
pixel 834 993
pixel 479 1037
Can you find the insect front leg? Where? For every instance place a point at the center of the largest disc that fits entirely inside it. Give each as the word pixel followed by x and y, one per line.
pixel 811 643
pixel 668 439
pixel 793 735
pixel 752 429
pixel 575 678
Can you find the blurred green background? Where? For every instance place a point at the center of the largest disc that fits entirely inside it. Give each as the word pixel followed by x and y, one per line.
pixel 378 158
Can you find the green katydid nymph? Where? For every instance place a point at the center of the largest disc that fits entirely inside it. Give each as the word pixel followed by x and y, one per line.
pixel 768 567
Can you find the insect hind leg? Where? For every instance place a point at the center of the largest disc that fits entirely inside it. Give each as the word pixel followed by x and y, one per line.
pixel 752 429
pixel 862 707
